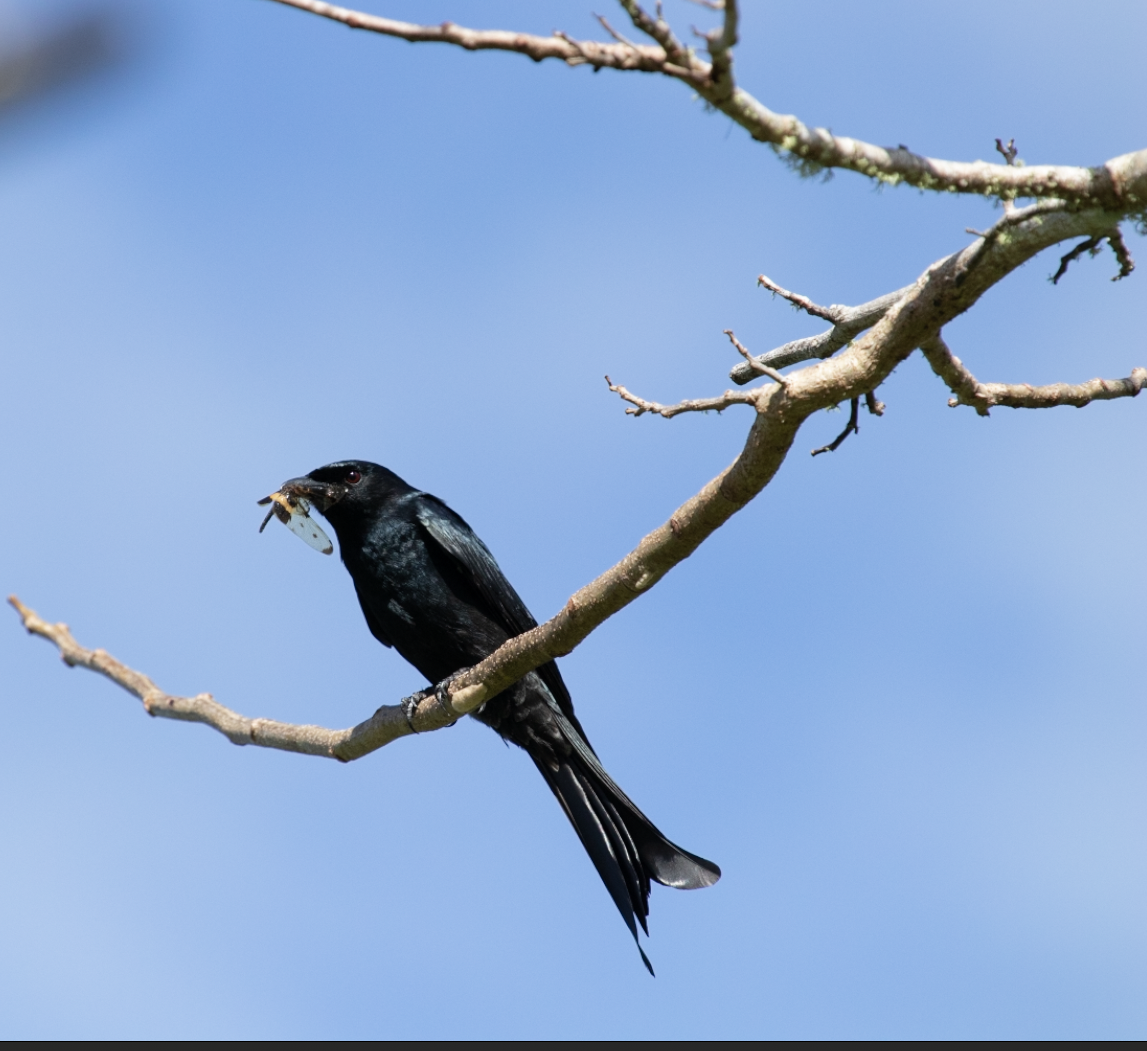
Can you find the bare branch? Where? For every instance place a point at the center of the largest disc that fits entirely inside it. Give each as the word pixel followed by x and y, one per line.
pixel 852 427
pixel 850 322
pixel 382 728
pixel 802 302
pixel 1120 185
pixel 719 404
pixel 1025 396
pixel 612 32
pixel 875 408
pixel 757 366
pixel 982 396
pixel 558 45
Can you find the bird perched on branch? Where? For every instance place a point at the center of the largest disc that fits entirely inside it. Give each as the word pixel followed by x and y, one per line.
pixel 429 588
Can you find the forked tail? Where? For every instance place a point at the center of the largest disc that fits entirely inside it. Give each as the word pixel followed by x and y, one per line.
pixel 626 848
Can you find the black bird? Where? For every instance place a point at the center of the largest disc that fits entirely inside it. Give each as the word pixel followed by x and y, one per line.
pixel 431 589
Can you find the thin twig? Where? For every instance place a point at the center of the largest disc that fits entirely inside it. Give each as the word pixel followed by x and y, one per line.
pixel 799 301
pixel 852 321
pixel 756 366
pixel 852 427
pixel 875 408
pixel 1090 245
pixel 613 32
pixel 718 404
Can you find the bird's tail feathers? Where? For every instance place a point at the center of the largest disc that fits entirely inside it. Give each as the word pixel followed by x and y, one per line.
pixel 626 848
pixel 607 842
pixel 667 863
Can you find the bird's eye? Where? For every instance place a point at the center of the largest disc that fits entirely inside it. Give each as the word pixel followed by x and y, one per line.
pixel 353 477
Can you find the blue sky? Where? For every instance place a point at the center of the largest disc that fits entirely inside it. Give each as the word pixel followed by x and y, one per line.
pixel 899 698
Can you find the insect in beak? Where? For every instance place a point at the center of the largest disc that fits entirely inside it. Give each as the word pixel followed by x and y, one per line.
pixel 294 513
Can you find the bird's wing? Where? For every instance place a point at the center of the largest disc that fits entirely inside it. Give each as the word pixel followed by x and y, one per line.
pixel 501 602
pixel 462 544
pixel 371 620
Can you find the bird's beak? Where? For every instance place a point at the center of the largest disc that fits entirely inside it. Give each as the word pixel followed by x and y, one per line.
pixel 322 495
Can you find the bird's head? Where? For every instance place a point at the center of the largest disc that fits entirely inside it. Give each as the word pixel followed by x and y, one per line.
pixel 344 490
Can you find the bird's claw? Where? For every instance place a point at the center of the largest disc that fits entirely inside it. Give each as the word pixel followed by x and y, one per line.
pixel 409 706
pixel 442 696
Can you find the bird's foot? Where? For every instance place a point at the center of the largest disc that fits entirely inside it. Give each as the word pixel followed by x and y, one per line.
pixel 442 695
pixel 409 706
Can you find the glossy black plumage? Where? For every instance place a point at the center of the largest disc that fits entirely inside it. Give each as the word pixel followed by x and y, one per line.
pixel 429 587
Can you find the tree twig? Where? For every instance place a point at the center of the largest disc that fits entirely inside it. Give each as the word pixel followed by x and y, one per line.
pixel 801 302
pixel 1090 245
pixel 852 427
pixel 612 32
pixel 849 322
pixel 757 366
pixel 718 404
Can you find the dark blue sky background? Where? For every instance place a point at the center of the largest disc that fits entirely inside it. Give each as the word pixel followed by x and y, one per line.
pixel 899 698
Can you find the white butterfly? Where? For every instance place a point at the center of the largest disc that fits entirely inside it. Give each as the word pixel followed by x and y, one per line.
pixel 295 513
